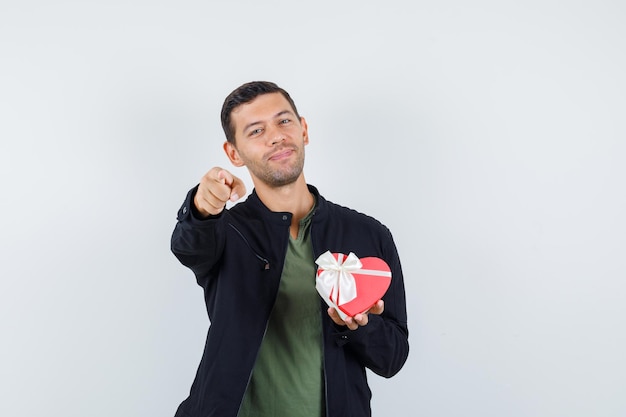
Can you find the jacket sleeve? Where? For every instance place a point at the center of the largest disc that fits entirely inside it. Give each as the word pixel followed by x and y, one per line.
pixel 383 344
pixel 197 243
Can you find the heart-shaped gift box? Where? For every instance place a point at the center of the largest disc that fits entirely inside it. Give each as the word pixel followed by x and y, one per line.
pixel 349 284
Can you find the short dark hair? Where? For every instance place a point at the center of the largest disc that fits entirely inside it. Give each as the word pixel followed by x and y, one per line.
pixel 245 94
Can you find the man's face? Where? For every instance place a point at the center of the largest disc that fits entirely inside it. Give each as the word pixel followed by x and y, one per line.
pixel 269 140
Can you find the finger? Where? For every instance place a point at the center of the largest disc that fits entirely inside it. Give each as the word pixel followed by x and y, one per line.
pixel 334 316
pixel 236 186
pixel 214 174
pixel 207 204
pixel 361 319
pixel 352 325
pixel 378 308
pixel 217 197
pixel 214 191
pixel 225 177
pixel 238 189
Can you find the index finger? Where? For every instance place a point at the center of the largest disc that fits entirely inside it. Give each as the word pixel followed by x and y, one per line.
pixel 225 177
pixel 237 187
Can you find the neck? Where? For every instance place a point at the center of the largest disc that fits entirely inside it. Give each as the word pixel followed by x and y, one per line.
pixel 294 198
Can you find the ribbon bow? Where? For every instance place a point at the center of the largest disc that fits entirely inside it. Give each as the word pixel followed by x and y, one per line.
pixel 336 279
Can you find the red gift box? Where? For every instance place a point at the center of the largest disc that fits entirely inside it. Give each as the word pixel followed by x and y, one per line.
pixel 349 284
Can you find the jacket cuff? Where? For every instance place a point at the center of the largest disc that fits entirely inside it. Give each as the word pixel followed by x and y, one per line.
pixel 189 213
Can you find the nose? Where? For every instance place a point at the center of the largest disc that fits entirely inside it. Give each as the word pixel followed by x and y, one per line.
pixel 276 136
pixel 277 139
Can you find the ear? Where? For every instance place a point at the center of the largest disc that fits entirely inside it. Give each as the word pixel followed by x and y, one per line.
pixel 233 154
pixel 305 131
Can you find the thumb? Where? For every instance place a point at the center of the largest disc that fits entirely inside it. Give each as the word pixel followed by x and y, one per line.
pixel 378 308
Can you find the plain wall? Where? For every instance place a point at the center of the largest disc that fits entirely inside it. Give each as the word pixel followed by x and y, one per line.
pixel 489 137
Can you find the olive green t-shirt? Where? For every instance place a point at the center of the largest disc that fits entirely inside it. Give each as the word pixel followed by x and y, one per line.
pixel 287 380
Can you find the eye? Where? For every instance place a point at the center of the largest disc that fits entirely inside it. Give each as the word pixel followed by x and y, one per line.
pixel 256 132
pixel 285 121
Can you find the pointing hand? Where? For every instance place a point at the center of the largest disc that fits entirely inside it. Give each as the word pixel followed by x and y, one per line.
pixel 216 188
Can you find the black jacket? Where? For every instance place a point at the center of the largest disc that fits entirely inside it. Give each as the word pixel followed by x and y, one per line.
pixel 237 258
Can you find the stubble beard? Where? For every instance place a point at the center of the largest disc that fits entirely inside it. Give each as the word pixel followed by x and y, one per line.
pixel 278 177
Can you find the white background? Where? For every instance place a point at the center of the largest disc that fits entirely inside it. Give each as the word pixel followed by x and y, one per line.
pixel 489 137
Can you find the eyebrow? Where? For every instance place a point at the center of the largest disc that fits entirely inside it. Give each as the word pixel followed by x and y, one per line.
pixel 280 113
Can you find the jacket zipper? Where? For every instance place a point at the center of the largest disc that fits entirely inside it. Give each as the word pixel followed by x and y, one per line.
pixel 266 263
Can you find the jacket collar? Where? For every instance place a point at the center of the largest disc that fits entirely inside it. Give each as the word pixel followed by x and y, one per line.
pixel 254 202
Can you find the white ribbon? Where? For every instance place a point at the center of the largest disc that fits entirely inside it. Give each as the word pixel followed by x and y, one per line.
pixel 336 279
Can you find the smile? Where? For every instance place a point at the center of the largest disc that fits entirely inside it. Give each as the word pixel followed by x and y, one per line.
pixel 281 155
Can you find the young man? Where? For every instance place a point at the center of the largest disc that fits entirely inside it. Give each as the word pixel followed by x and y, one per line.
pixel 273 347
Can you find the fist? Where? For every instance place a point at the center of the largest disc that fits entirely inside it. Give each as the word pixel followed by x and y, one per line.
pixel 216 188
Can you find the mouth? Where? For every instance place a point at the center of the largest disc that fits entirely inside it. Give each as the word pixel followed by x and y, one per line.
pixel 281 154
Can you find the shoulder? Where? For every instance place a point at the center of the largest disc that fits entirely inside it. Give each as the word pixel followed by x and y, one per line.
pixel 344 229
pixel 355 218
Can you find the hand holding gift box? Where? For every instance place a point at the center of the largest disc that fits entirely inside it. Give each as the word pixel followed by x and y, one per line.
pixel 349 284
